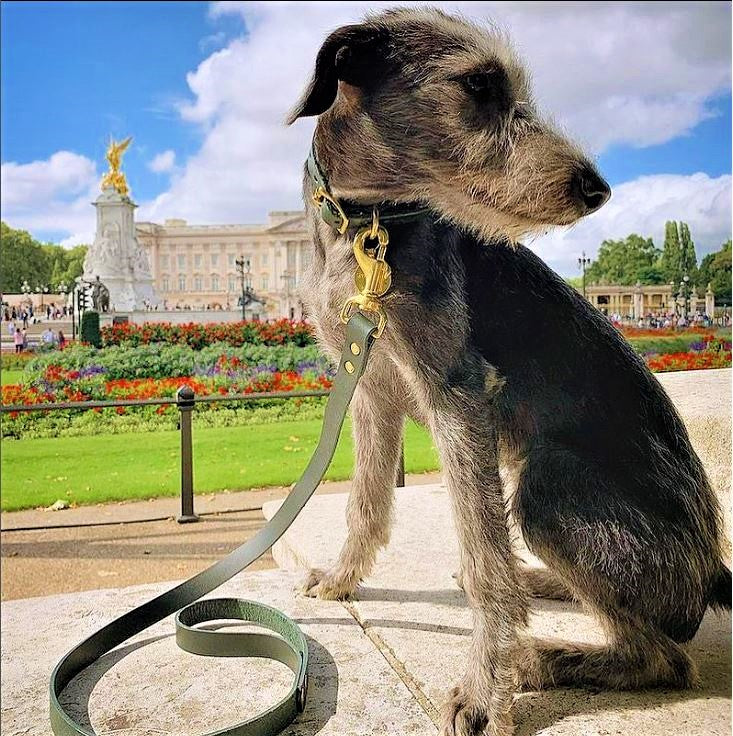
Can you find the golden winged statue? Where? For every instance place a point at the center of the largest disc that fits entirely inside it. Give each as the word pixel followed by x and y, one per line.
pixel 114 177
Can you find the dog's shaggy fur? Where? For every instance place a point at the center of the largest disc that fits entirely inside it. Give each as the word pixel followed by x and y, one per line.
pixel 508 366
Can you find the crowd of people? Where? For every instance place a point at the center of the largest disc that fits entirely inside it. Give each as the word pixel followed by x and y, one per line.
pixel 27 313
pixel 669 320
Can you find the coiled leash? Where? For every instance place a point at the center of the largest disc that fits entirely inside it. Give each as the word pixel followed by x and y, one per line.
pixel 373 279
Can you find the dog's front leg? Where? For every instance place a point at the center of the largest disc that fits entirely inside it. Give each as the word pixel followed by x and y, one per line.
pixel 463 430
pixel 378 419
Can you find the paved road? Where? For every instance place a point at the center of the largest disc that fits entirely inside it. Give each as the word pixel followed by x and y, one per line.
pixel 74 558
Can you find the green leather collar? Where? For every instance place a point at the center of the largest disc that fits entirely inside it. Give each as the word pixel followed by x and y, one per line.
pixel 344 215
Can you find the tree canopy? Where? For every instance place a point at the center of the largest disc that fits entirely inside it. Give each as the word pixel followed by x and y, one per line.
pixel 626 261
pixel 41 264
pixel 715 269
pixel 636 259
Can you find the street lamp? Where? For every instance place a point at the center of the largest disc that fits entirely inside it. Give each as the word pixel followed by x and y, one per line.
pixel 63 289
pixel 582 263
pixel 25 287
pixel 244 271
pixel 41 290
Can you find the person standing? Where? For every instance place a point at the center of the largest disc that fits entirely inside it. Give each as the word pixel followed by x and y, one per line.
pixel 18 340
pixel 61 340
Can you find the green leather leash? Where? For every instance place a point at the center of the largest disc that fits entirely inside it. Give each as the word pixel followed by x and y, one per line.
pixel 290 647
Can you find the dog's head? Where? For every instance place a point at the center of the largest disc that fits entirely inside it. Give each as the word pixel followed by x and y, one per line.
pixel 420 105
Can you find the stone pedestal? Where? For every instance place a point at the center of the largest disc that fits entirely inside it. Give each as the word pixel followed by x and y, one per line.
pixel 116 256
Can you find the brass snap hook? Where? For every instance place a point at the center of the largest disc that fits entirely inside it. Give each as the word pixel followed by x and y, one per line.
pixel 375 224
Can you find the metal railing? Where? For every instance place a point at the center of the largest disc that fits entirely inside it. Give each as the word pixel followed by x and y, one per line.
pixel 185 400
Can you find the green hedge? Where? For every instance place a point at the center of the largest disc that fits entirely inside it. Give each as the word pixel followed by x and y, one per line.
pixel 89 329
pixel 172 361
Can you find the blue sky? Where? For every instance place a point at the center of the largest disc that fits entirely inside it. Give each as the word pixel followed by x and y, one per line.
pixel 112 70
pixel 210 84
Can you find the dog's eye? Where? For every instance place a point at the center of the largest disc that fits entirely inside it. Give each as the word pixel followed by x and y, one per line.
pixel 478 82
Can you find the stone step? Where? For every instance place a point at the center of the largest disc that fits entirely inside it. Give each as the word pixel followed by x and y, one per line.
pixel 149 686
pixel 414 612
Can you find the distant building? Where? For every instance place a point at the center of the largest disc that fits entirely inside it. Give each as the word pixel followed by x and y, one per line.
pixel 638 301
pixel 194 266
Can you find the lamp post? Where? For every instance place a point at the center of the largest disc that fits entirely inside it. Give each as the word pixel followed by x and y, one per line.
pixel 41 290
pixel 582 263
pixel 63 289
pixel 245 278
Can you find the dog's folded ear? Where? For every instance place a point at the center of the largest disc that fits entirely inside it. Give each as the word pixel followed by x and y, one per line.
pixel 350 54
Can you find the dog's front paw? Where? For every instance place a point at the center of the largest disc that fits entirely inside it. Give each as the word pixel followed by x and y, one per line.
pixel 327 586
pixel 463 717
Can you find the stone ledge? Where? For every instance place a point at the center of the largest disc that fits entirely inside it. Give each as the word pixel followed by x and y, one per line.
pixel 413 611
pixel 149 686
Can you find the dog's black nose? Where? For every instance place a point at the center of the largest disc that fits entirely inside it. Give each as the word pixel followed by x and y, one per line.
pixel 590 190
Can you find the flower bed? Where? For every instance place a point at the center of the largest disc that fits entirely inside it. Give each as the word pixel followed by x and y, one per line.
pixel 708 352
pixel 197 336
pixel 158 369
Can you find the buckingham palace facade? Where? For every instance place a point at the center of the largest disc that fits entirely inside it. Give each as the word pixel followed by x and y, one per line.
pixel 195 266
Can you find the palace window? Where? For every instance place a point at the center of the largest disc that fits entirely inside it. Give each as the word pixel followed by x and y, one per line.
pixel 214 282
pixel 164 261
pixel 265 283
pixel 181 262
pixel 182 282
pixel 197 260
pixel 198 283
pixel 230 259
pixel 214 260
pixel 166 284
pixel 263 259
pixel 232 283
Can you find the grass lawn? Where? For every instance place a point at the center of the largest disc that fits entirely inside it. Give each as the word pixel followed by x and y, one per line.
pixel 10 376
pixel 86 470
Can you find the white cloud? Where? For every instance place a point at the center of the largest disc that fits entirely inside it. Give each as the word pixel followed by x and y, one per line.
pixel 610 73
pixel 163 162
pixel 642 206
pixel 54 195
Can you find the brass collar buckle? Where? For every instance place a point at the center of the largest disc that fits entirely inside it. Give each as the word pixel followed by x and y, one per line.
pixel 373 275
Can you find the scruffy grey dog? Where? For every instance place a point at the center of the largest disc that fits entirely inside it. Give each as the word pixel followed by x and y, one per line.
pixel 507 366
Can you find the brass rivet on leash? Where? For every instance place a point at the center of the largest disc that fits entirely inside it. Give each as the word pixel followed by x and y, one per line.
pixel 349 366
pixel 355 349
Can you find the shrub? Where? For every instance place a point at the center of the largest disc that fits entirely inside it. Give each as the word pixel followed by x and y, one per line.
pixel 89 331
pixel 197 336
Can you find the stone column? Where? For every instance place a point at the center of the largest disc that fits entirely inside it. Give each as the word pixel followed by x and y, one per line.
pixel 710 301
pixel 637 311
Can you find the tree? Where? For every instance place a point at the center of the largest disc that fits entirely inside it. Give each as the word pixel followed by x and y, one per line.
pixel 688 257
pixel 24 258
pixel 671 259
pixel 626 262
pixel 715 269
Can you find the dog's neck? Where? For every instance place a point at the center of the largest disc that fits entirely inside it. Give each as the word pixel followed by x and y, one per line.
pixel 343 215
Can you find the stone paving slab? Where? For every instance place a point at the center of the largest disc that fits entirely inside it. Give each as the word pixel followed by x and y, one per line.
pixel 159 689
pixel 414 612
